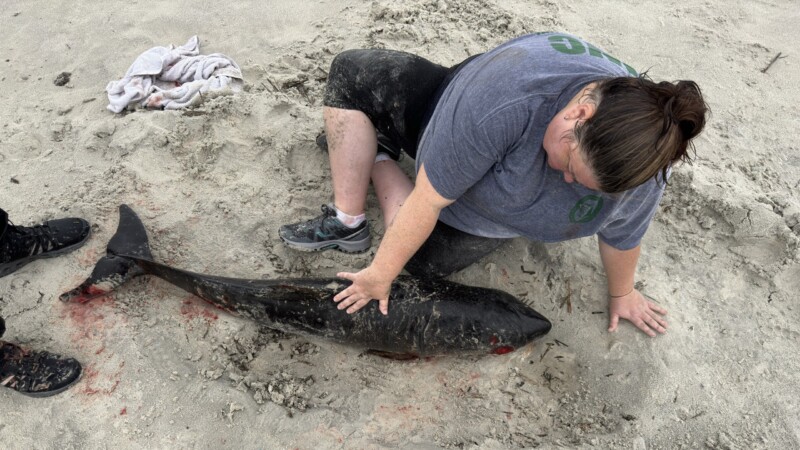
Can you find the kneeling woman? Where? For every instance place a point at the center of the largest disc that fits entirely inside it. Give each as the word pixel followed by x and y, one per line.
pixel 545 137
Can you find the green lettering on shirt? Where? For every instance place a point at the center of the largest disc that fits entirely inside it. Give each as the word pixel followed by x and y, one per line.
pixel 586 209
pixel 595 52
pixel 566 44
pixel 571 46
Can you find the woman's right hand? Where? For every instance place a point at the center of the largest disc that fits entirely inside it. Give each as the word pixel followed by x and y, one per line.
pixel 368 284
pixel 409 229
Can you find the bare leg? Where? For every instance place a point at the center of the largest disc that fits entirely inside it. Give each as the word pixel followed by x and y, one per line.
pixel 392 187
pixel 352 146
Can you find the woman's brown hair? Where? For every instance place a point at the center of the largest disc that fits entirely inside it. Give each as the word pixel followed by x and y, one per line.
pixel 639 129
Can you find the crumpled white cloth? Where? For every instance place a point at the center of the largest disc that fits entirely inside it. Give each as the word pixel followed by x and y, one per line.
pixel 173 78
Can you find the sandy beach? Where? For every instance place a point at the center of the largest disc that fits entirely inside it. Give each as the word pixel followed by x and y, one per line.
pixel 213 183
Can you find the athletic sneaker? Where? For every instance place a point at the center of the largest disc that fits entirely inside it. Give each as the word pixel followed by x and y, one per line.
pixel 326 232
pixel 21 245
pixel 36 373
pixel 384 146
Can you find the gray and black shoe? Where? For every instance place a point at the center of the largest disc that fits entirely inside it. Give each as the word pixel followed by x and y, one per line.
pixel 21 245
pixel 326 232
pixel 36 373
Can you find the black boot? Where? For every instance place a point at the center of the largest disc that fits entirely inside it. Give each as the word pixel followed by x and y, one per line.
pixel 21 245
pixel 36 373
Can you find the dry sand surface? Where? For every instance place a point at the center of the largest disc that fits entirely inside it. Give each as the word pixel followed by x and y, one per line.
pixel 214 183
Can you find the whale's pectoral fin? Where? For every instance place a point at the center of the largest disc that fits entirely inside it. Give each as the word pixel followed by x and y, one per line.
pixel 117 267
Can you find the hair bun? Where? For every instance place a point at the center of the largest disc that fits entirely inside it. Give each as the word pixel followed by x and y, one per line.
pixel 687 108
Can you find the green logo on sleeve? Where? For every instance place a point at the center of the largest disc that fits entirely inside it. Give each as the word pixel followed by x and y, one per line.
pixel 571 46
pixel 586 209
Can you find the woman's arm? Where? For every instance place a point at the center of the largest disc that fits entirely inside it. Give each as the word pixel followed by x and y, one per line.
pixel 412 225
pixel 625 301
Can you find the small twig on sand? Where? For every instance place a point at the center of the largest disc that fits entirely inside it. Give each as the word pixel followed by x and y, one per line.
pixel 777 57
pixel 568 299
pixel 273 85
pixel 545 351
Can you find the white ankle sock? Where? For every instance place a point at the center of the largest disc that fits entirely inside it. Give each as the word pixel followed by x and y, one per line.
pixel 348 220
pixel 382 157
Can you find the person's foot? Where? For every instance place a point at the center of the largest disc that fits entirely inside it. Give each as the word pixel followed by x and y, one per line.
pixel 326 232
pixel 21 245
pixel 36 373
pixel 384 146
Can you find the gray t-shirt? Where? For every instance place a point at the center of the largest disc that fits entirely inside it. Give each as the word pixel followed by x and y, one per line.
pixel 483 147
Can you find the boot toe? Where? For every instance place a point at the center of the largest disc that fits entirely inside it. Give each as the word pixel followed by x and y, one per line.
pixel 69 231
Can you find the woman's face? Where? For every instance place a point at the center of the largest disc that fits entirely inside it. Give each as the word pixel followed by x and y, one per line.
pixel 562 151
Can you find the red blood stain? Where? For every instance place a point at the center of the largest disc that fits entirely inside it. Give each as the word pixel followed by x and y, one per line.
pixel 88 324
pixel 124 411
pixel 89 293
pixel 95 291
pixel 87 319
pixel 92 383
pixel 503 350
pixel 220 307
pixel 192 309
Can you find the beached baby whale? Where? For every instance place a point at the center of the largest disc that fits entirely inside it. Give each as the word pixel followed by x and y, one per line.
pixel 426 316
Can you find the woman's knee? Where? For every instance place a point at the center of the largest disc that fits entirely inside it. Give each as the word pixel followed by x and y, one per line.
pixel 344 86
pixel 342 60
pixel 350 62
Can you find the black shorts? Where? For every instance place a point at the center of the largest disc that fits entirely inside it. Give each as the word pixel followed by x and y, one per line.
pixel 394 89
pixel 398 91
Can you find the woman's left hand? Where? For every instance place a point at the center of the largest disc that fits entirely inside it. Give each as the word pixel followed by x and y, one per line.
pixel 633 307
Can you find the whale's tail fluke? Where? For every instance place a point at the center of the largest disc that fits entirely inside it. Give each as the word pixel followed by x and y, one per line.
pixel 119 265
pixel 131 237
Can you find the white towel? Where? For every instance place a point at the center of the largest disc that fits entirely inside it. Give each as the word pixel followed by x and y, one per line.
pixel 173 78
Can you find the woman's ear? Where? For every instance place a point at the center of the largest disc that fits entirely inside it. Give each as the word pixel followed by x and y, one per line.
pixel 580 111
pixel 585 110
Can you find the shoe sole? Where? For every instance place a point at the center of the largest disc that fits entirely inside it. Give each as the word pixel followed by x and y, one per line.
pixel 351 247
pixel 11 267
pixel 54 391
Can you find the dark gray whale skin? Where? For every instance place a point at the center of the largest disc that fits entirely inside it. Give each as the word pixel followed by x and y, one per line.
pixel 426 316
